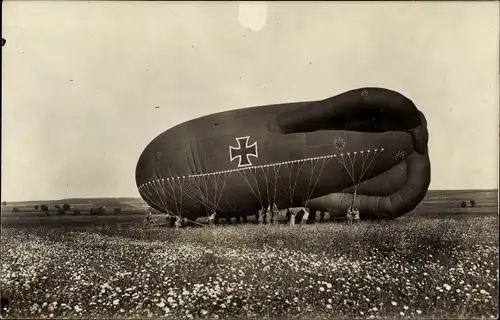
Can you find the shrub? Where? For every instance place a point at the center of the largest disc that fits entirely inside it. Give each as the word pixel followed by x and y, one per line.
pixel 102 209
pixel 66 207
pixel 15 209
pixel 76 212
pixel 464 204
pixel 37 207
pixel 57 206
pixel 61 211
pixel 472 203
pixel 44 208
pixel 117 211
pixel 4 203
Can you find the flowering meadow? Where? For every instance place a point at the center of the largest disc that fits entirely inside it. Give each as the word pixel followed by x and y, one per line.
pixel 409 268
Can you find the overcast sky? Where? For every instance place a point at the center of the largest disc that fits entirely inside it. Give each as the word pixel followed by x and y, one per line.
pixel 80 81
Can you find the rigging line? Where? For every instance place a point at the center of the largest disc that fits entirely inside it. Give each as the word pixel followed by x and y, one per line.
pixel 209 192
pixel 248 183
pixel 204 193
pixel 150 197
pixel 229 205
pixel 313 168
pixel 223 177
pixel 192 194
pixel 215 183
pixel 364 161
pixel 299 170
pixel 323 166
pixel 226 175
pixel 276 173
pixel 254 175
pixel 215 189
pixel 172 185
pixel 345 167
pixel 352 164
pixel 189 188
pixel 181 196
pixel 267 182
pixel 153 197
pixel 289 182
pixel 163 197
pixel 370 164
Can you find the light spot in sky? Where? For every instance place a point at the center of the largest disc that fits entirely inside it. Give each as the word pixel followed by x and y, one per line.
pixel 252 15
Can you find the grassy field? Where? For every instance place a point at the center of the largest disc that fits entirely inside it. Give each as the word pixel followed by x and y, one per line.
pixel 411 268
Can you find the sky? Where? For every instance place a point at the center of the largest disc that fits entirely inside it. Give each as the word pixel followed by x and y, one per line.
pixel 81 80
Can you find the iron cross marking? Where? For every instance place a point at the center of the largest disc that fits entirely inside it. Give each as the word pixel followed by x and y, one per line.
pixel 243 152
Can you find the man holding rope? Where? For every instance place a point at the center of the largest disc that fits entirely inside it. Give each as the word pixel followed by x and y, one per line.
pixel 147 220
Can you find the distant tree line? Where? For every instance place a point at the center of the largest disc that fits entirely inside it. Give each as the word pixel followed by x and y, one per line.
pixel 66 208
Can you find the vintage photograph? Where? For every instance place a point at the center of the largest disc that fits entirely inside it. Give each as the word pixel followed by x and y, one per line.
pixel 250 160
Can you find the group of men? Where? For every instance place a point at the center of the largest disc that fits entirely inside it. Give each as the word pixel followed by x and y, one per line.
pixel 268 215
pixel 264 216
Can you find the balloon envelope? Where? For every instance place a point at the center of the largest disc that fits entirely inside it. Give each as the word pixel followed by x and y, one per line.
pixel 366 147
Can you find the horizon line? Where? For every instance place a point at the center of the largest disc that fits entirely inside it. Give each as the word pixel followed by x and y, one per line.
pixel 139 197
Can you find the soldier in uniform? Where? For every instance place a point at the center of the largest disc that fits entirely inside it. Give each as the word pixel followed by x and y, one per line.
pixel 305 215
pixel 147 219
pixel 211 217
pixel 178 222
pixel 268 217
pixel 260 214
pixel 350 214
pixel 291 213
pixel 356 214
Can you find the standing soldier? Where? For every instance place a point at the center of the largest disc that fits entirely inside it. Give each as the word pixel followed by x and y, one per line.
pixel 356 214
pixel 322 216
pixel 305 215
pixel 293 213
pixel 261 212
pixel 350 214
pixel 274 210
pixel 178 222
pixel 268 215
pixel 147 219
pixel 211 217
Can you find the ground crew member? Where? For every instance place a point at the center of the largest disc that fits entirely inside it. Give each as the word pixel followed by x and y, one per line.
pixel 356 214
pixel 304 216
pixel 261 212
pixel 178 222
pixel 147 219
pixel 268 215
pixel 211 217
pixel 349 214
pixel 292 213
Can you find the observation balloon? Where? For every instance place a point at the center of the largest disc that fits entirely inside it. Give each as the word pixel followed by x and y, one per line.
pixel 366 147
